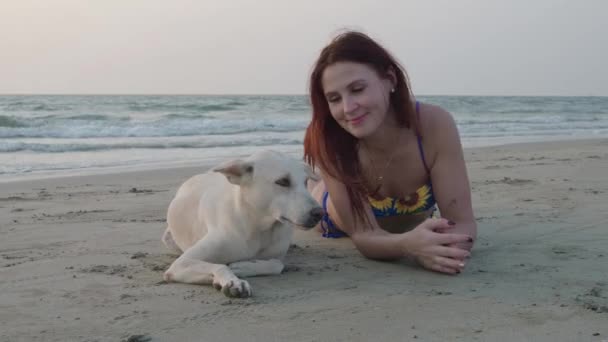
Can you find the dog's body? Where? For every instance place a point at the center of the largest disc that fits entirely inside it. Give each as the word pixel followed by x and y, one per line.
pixel 237 220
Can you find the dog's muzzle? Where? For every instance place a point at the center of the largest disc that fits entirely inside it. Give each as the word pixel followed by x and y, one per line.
pixel 314 216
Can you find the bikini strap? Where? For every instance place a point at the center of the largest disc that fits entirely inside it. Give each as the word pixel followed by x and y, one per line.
pixel 419 138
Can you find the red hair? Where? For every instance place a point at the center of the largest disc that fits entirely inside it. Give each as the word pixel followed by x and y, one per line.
pixel 326 143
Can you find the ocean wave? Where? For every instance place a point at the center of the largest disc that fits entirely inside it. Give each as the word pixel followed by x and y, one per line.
pixel 235 103
pixel 186 116
pixel 571 110
pixel 53 120
pixel 24 106
pixel 537 133
pixel 9 121
pixel 516 105
pixel 546 119
pixel 89 117
pixel 8 147
pixel 158 128
pixel 506 130
pixel 191 107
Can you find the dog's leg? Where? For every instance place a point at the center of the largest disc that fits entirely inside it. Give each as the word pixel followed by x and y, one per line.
pixel 190 271
pixel 191 268
pixel 167 239
pixel 254 268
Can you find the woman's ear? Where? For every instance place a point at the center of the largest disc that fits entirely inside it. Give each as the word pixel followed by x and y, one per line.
pixel 391 76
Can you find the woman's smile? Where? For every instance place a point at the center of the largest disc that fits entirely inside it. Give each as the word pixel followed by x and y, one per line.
pixel 356 121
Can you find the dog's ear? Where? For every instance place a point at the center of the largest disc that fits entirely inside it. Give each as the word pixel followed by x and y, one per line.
pixel 236 171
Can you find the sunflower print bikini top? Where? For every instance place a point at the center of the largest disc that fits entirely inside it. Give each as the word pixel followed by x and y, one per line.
pixel 417 202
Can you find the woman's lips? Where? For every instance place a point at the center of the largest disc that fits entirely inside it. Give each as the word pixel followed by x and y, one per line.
pixel 358 119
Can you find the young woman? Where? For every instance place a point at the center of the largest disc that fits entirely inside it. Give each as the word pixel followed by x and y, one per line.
pixel 387 161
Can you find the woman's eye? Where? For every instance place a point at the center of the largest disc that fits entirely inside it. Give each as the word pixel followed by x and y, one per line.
pixel 357 90
pixel 284 182
pixel 333 99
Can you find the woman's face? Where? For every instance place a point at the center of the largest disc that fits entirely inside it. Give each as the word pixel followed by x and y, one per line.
pixel 357 96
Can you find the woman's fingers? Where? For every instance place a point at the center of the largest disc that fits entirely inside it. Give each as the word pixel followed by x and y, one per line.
pixel 447 265
pixel 430 264
pixel 444 269
pixel 449 238
pixel 452 252
pixel 442 264
pixel 434 224
pixel 449 262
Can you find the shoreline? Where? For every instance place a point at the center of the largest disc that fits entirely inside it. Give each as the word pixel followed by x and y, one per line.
pixel 212 161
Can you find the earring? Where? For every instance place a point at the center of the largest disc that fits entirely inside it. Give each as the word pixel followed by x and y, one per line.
pixel 392 90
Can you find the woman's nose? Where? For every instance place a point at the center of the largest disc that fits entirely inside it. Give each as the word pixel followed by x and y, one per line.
pixel 349 104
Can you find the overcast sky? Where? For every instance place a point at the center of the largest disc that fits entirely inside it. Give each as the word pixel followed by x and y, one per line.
pixel 448 47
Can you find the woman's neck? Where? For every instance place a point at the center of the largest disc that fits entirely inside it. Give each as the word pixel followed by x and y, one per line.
pixel 383 140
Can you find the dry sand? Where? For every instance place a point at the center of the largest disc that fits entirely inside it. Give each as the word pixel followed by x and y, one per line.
pixel 81 260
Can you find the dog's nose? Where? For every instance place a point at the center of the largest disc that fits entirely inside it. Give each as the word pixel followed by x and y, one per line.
pixel 316 214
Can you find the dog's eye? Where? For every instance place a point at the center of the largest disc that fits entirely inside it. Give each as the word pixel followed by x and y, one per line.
pixel 285 182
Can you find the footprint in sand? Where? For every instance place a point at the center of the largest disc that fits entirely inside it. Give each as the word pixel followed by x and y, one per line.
pixel 566 252
pixel 510 181
pixel 595 299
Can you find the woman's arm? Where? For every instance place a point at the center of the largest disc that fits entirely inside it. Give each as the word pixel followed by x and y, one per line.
pixel 449 173
pixel 372 241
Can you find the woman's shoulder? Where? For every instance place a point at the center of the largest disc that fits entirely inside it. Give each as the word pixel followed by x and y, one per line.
pixel 438 129
pixel 434 119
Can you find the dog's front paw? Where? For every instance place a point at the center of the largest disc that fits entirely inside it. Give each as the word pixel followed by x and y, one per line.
pixel 236 288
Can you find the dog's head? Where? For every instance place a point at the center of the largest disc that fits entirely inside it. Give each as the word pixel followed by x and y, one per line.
pixel 274 185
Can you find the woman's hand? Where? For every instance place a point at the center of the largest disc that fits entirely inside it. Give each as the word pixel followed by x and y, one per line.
pixel 429 245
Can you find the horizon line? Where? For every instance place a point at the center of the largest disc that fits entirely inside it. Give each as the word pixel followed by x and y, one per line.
pixel 269 94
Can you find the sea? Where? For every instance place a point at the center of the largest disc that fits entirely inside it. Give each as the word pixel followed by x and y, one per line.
pixel 56 135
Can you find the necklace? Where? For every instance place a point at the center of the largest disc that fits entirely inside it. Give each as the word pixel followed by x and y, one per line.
pixel 380 175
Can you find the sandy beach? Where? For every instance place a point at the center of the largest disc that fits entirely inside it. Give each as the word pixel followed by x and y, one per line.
pixel 81 260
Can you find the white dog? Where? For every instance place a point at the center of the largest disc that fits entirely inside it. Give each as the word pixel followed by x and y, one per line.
pixel 236 221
